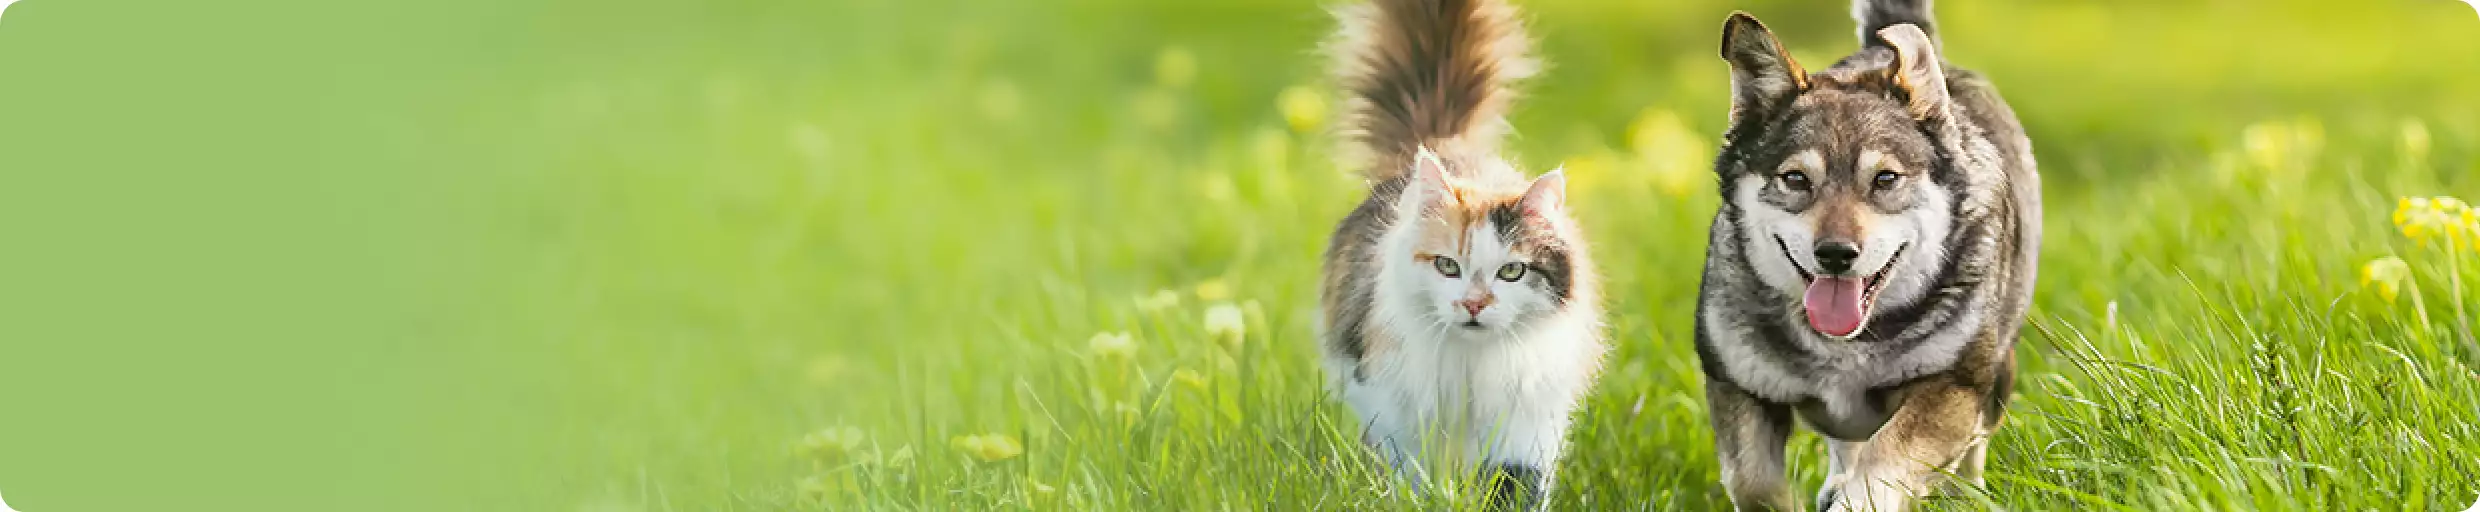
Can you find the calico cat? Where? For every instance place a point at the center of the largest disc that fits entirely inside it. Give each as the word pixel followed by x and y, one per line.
pixel 1461 318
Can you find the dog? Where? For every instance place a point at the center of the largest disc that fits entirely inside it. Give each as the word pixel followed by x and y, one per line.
pixel 1869 266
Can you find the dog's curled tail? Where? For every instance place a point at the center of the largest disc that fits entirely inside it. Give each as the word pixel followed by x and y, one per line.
pixel 1876 15
pixel 1426 73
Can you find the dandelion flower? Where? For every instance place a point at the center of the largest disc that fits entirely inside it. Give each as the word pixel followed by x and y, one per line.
pixel 2267 144
pixel 1213 290
pixel 1115 345
pixel 1303 108
pixel 1175 67
pixel 2471 228
pixel 831 443
pixel 1226 324
pixel 1158 301
pixel 988 447
pixel 2387 273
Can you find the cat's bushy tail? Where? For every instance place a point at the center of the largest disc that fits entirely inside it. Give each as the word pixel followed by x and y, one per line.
pixel 1426 73
pixel 1875 15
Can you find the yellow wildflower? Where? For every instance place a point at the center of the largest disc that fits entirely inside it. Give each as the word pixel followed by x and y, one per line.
pixel 1303 108
pixel 1175 67
pixel 1226 324
pixel 2422 218
pixel 1213 290
pixel 2275 144
pixel 989 447
pixel 1678 158
pixel 2388 273
pixel 2265 143
pixel 2471 228
pixel 1115 345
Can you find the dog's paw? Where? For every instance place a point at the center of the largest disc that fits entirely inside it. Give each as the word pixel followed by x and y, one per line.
pixel 1862 495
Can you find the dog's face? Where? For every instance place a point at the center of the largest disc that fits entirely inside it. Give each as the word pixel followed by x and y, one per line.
pixel 1838 185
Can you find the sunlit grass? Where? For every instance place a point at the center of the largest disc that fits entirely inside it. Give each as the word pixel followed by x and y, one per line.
pixel 1091 283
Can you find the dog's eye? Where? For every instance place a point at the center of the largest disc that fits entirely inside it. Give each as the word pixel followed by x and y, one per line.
pixel 1446 266
pixel 1510 272
pixel 1795 180
pixel 1886 179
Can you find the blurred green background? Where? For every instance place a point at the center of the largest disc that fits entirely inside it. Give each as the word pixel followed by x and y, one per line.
pixel 871 254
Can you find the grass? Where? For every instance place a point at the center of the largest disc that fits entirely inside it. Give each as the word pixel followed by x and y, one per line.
pixel 904 223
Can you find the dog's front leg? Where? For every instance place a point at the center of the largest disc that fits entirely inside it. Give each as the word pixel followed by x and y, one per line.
pixel 1938 427
pixel 1748 438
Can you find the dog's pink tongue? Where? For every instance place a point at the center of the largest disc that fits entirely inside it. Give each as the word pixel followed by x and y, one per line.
pixel 1834 305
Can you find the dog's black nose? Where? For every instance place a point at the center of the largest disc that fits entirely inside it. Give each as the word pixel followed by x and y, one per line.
pixel 1834 256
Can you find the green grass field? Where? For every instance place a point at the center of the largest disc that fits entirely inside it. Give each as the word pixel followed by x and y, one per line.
pixel 820 257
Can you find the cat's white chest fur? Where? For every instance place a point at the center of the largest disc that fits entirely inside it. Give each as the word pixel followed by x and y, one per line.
pixel 1465 398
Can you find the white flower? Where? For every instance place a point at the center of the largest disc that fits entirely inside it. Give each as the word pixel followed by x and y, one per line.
pixel 1227 324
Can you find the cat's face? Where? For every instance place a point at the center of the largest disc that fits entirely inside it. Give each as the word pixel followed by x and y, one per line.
pixel 1474 260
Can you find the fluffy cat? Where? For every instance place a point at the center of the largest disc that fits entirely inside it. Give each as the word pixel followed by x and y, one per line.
pixel 1461 324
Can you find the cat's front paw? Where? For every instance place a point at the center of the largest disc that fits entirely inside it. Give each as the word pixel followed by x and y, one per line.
pixel 1514 486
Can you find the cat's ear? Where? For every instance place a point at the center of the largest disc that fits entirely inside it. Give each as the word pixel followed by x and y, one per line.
pixel 1762 73
pixel 1428 180
pixel 1548 193
pixel 1916 70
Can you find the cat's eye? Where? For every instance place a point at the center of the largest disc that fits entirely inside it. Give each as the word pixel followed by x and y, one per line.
pixel 1446 266
pixel 1796 181
pixel 1885 180
pixel 1511 272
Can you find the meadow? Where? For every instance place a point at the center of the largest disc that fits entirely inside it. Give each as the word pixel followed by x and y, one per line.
pixel 973 255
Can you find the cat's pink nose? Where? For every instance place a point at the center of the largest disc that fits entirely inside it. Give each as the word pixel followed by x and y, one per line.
pixel 1475 305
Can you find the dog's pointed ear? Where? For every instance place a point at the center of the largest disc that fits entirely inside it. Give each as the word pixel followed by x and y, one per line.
pixel 1548 193
pixel 1917 70
pixel 1762 74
